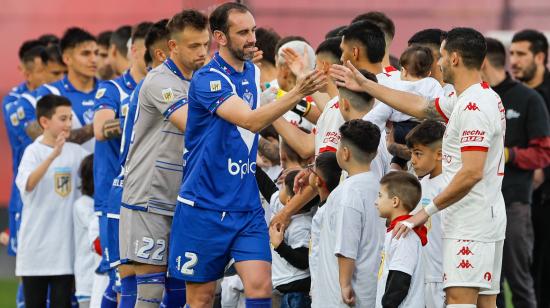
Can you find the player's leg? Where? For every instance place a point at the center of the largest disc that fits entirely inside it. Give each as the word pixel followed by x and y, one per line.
pixel 61 291
pixel 174 292
pixel 35 289
pixel 109 299
pixel 200 295
pixel 128 286
pixel 488 297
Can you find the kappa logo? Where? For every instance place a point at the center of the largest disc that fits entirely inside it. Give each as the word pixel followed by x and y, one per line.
pixel 471 107
pixel 465 251
pixel 465 264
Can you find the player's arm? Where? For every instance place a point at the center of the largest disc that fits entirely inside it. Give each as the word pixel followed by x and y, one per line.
pixel 81 135
pixel 178 118
pixel 33 130
pixel 346 267
pixel 105 125
pixel 36 175
pixel 313 114
pixel 238 112
pixel 301 198
pixel 300 141
pixel 414 105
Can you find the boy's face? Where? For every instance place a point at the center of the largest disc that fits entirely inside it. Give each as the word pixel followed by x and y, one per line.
pixel 424 159
pixel 284 195
pixel 384 203
pixel 61 121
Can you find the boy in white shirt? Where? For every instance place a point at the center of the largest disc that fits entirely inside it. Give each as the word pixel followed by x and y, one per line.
pixel 401 273
pixel 351 234
pixel 47 179
pixel 424 142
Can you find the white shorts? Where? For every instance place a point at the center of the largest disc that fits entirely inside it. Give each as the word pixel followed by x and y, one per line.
pixel 472 264
pixel 434 296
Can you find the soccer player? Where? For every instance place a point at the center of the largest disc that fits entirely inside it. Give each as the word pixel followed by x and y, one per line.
pixel 401 273
pixel 118 50
pixel 47 178
pixel 104 68
pixel 219 214
pixel 154 165
pixel 111 106
pixel 473 165
pixel 351 232
pixel 528 64
pixel 424 142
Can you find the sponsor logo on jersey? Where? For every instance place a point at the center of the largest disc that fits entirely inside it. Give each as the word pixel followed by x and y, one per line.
pixel 241 168
pixel 215 85
pixel 331 138
pixel 471 107
pixel 62 181
pixel 99 94
pixel 167 95
pixel 88 103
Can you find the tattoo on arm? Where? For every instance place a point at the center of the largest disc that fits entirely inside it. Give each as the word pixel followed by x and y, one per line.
pixel 431 112
pixel 111 129
pixel 399 150
pixel 81 135
pixel 269 150
pixel 33 130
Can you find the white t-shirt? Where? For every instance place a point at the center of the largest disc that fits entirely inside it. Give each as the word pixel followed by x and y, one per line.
pixel 327 131
pixel 86 260
pixel 380 165
pixel 382 113
pixel 351 228
pixel 392 72
pixel 404 255
pixel 296 235
pixel 314 247
pixel 46 244
pixel 476 122
pixel 432 252
pixel 428 88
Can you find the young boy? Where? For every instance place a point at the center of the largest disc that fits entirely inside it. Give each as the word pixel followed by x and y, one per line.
pixel 47 179
pixel 424 142
pixel 324 178
pixel 401 274
pixel 351 234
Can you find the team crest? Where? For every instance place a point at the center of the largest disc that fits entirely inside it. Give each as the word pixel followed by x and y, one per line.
pixel 63 181
pixel 99 94
pixel 14 120
pixel 249 99
pixel 167 95
pixel 215 85
pixel 88 116
pixel 20 113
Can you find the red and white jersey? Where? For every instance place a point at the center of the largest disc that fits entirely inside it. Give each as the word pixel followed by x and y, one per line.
pixel 327 131
pixel 476 122
pixel 392 72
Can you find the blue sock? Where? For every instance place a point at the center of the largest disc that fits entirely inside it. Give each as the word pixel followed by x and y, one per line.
pixel 258 303
pixel 174 293
pixel 128 292
pixel 150 288
pixel 109 296
pixel 74 301
pixel 20 298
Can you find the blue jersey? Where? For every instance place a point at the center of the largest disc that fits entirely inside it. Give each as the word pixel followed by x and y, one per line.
pixel 111 94
pixel 220 157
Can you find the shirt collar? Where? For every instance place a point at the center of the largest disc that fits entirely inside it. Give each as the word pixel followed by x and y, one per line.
pixel 68 86
pixel 174 68
pixel 226 67
pixel 129 81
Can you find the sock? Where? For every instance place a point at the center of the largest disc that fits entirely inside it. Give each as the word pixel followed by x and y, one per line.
pixel 74 301
pixel 461 306
pixel 128 292
pixel 258 303
pixel 20 298
pixel 109 296
pixel 150 288
pixel 174 293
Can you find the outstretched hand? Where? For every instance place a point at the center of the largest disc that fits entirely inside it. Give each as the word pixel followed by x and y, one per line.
pixel 348 76
pixel 311 83
pixel 299 65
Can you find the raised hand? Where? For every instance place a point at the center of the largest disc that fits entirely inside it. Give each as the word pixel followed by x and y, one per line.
pixel 348 76
pixel 311 83
pixel 59 143
pixel 299 64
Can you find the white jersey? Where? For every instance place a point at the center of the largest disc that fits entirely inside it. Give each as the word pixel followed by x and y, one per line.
pixel 86 261
pixel 382 113
pixel 314 247
pixel 392 72
pixel 476 122
pixel 327 131
pixel 46 244
pixel 404 255
pixel 428 88
pixel 296 235
pixel 433 251
pixel 350 228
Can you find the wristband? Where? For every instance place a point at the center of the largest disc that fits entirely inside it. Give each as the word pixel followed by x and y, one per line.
pixel 431 209
pixel 302 108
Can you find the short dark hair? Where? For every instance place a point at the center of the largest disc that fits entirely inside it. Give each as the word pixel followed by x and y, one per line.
pixel 405 186
pixel 157 33
pixel 496 53
pixel 104 38
pixel 428 133
pixel 289 182
pixel 363 136
pixel 140 30
pixel 331 46
pixel 45 107
pixel 26 46
pixel 336 32
pixel 38 51
pixel 359 100
pixel 219 18
pixel 73 37
pixel 381 20
pixel 417 60
pixel 469 44
pixel 187 18
pixel 120 38
pixel 539 42
pixel 290 153
pixel 49 39
pixel 86 173
pixel 370 36
pixel 53 54
pixel 266 41
pixel 327 167
pixel 287 39
pixel 433 37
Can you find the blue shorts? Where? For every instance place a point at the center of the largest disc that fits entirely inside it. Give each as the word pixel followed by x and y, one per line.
pixel 115 200
pixel 111 248
pixel 104 240
pixel 203 241
pixel 14 221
